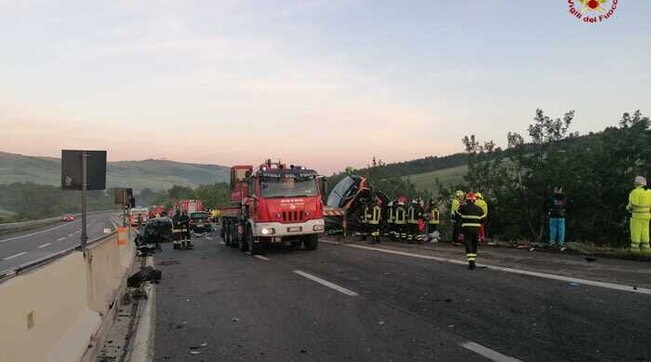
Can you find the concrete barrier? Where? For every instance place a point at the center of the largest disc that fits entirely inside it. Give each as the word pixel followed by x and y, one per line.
pixel 53 312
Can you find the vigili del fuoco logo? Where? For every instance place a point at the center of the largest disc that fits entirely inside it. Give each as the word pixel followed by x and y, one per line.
pixel 592 11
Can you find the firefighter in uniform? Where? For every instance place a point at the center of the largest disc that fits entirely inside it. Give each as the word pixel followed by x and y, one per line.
pixel 470 215
pixel 185 226
pixel 364 218
pixel 412 220
pixel 177 231
pixel 639 204
pixel 484 206
pixel 401 220
pixel 433 220
pixel 374 221
pixel 391 215
pixel 454 215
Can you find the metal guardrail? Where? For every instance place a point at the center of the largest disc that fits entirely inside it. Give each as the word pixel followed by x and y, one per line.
pixel 9 273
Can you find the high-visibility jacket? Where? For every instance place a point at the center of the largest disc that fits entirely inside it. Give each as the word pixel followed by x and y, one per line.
pixel 375 215
pixel 471 215
pixel 400 215
pixel 484 206
pixel 639 203
pixel 454 208
pixel 366 215
pixel 434 216
pixel 413 213
pixel 391 214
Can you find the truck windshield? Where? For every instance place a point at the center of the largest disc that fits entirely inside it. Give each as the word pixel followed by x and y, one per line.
pixel 288 187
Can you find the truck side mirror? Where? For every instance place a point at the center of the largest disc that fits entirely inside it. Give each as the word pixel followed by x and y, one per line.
pixel 324 187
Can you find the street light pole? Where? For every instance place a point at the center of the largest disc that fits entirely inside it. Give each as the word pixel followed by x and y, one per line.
pixel 84 189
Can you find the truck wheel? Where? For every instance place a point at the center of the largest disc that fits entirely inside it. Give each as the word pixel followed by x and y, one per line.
pixel 232 239
pixel 311 242
pixel 226 235
pixel 254 248
pixel 241 241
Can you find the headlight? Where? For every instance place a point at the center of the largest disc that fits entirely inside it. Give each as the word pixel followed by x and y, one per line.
pixel 318 228
pixel 267 231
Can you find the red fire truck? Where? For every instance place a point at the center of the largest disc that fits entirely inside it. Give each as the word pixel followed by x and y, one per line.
pixel 188 206
pixel 273 204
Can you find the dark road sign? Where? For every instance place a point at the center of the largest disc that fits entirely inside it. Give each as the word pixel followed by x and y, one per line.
pixel 71 170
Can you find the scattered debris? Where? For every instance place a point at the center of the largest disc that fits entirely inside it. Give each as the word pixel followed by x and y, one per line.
pixel 590 259
pixel 451 326
pixel 532 249
pixel 204 344
pixel 380 323
pixel 448 300
pixel 303 351
pixel 236 319
pixel 144 275
pixel 195 352
pixel 574 284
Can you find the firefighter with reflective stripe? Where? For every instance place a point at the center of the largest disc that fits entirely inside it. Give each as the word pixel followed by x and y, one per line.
pixel 470 215
pixel 184 222
pixel 401 219
pixel 177 231
pixel 414 212
pixel 484 206
pixel 639 205
pixel 433 220
pixel 454 215
pixel 391 216
pixel 364 220
pixel 374 221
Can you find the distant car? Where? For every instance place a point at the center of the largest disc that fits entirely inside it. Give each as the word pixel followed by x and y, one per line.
pixel 67 218
pixel 200 222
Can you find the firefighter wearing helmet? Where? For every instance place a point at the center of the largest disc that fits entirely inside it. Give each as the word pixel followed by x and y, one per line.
pixel 374 221
pixel 401 219
pixel 481 202
pixel 454 214
pixel 470 217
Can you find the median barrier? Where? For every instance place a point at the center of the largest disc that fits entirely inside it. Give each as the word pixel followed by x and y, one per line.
pixel 58 310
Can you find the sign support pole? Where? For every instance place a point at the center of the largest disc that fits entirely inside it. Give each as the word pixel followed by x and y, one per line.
pixel 84 189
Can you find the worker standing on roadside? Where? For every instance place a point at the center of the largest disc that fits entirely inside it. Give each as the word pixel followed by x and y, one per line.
pixel 391 215
pixel 556 206
pixel 639 204
pixel 412 220
pixel 470 215
pixel 484 206
pixel 363 221
pixel 454 215
pixel 185 226
pixel 177 230
pixel 401 219
pixel 374 221
pixel 432 217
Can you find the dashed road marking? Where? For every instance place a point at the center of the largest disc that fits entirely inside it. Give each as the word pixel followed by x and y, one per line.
pixel 594 283
pixel 326 283
pixel 44 245
pixel 15 256
pixel 261 257
pixel 32 234
pixel 487 352
pixel 61 238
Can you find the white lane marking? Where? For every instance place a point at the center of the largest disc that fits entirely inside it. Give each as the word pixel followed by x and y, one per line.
pixel 32 234
pixel 594 283
pixel 487 352
pixel 44 245
pixel 261 257
pixel 61 238
pixel 15 256
pixel 326 283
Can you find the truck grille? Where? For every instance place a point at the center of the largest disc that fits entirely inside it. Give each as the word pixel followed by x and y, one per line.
pixel 293 216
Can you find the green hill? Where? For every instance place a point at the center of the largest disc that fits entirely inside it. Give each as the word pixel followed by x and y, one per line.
pixel 152 174
pixel 447 176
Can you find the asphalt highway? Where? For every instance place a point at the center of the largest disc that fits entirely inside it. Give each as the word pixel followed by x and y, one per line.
pixel 21 248
pixel 389 303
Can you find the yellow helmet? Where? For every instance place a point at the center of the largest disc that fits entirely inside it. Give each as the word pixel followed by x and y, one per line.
pixel 479 195
pixel 459 194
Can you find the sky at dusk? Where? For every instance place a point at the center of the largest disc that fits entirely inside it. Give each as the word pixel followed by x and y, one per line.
pixel 324 83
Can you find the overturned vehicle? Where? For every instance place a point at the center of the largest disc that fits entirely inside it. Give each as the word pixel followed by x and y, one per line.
pixel 345 204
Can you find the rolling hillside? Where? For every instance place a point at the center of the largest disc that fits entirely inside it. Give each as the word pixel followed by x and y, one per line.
pixel 153 174
pixel 447 176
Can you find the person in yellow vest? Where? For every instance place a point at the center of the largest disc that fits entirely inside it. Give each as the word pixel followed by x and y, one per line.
pixel 364 219
pixel 401 219
pixel 433 220
pixel 639 205
pixel 484 206
pixel 454 215
pixel 374 221
pixel 413 213
pixel 391 216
